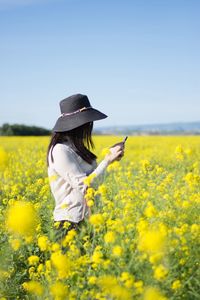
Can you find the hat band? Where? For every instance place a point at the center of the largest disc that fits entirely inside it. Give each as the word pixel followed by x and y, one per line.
pixel 76 111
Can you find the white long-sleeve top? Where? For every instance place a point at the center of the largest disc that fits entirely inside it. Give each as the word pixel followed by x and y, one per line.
pixel 66 175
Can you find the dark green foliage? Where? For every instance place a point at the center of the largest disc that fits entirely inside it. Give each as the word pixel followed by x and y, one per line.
pixel 22 130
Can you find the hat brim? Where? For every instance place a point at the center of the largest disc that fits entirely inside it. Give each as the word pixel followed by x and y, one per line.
pixel 70 122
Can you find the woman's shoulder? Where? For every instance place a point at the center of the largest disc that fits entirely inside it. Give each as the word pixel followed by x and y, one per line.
pixel 62 147
pixel 65 149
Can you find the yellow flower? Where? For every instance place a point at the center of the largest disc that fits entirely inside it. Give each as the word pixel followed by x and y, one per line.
pixel 69 237
pixel 129 283
pixel 22 218
pixel 182 261
pixel 176 284
pixel 145 165
pixel 43 243
pixel 88 180
pixel 106 263
pixel 111 287
pixel 118 226
pixel 185 204
pixel 155 258
pixel 38 228
pixel 192 179
pixel 138 283
pixel 142 225
pixel 66 224
pixel 179 149
pixel 139 286
pixel 56 224
pixel 55 247
pixel 33 260
pixel 195 229
pixel 96 220
pixel 74 250
pixel 153 293
pixel 62 264
pixel 107 281
pixel 160 272
pixel 124 276
pixel 114 166
pixel 33 287
pixel 4 274
pixel 97 257
pixel 127 279
pixel 48 265
pixel 92 280
pixel 109 237
pixel 90 203
pixel 90 193
pixel 59 290
pixel 145 194
pixel 117 250
pixel 150 210
pixel 152 241
pixel 40 268
pixel 102 189
pixel 179 152
pixel 31 271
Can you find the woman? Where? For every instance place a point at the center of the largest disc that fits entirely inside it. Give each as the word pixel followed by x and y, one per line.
pixel 70 161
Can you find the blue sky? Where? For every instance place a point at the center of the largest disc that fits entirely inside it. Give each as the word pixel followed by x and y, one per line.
pixel 137 60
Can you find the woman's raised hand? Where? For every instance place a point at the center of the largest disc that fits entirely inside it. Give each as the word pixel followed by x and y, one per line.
pixel 116 152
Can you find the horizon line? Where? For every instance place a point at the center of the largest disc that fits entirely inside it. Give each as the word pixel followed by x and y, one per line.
pixel 106 126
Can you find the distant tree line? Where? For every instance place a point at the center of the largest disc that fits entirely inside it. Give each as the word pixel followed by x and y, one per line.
pixel 20 129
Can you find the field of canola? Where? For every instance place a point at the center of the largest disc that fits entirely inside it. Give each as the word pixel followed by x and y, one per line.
pixel 141 241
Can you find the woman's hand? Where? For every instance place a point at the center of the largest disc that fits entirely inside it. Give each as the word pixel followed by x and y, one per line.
pixel 116 152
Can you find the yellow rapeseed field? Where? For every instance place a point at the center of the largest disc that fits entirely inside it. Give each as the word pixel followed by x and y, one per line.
pixel 142 238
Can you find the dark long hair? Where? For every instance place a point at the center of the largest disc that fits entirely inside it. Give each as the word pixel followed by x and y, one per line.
pixel 80 139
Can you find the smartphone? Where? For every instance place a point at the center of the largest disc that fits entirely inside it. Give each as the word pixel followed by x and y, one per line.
pixel 124 140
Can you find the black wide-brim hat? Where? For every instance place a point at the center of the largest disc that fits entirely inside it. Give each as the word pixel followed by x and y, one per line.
pixel 76 110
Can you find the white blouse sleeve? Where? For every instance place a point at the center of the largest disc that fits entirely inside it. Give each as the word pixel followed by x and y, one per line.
pixel 68 167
